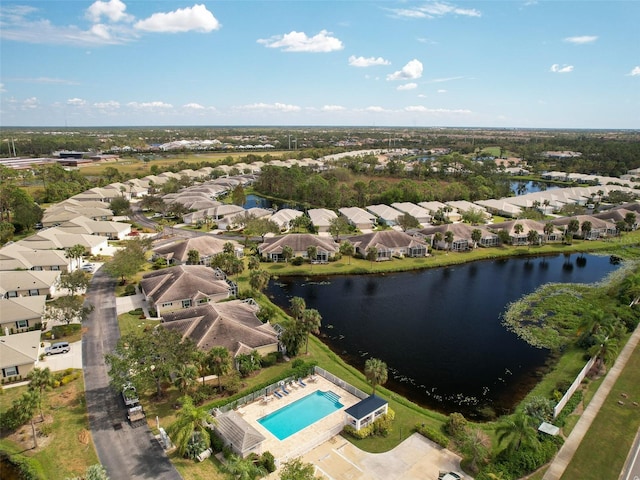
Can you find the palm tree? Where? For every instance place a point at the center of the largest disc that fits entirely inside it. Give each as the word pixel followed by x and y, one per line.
pixel 476 235
pixel 586 229
pixel 298 306
pixel 376 372
pixel 311 321
pixel 200 359
pixel 436 239
pixel 219 360
pixel 40 378
pixel 533 237
pixel 243 468
pixel 346 248
pixel 448 239
pixel 548 229
pixel 372 254
pixel 518 430
pixel 76 252
pixel 185 377
pixel 605 349
pixel 193 257
pixel 287 253
pixel 26 406
pixel 312 253
pixel 190 422
pixel 254 262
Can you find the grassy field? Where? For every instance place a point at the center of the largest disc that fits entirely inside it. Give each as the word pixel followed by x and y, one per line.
pixel 68 449
pixel 613 430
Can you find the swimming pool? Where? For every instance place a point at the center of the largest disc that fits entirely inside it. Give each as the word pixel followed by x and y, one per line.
pixel 298 415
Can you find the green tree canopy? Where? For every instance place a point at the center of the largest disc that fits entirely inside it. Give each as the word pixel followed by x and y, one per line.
pixel 376 372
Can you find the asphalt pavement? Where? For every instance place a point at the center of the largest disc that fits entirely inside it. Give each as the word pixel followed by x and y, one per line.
pixel 125 452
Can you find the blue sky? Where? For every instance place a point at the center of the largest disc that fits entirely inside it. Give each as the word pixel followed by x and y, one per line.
pixel 526 64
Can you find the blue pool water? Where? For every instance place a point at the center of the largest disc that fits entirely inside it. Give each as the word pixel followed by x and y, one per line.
pixel 300 414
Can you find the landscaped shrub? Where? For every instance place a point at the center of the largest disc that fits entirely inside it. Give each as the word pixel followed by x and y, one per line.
pixel 570 406
pixel 529 458
pixel 60 331
pixel 433 435
pixel 383 425
pixel 195 447
pixel 268 461
pixel 130 290
pixel 217 444
pixel 539 408
pixel 297 261
pixel 362 433
pixel 203 393
pixel 269 360
pixel 456 425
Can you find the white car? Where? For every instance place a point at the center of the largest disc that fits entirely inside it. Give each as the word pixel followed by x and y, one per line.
pixel 449 476
pixel 88 267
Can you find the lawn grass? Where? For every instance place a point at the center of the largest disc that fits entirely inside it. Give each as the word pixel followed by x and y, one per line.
pixel 68 449
pixel 612 431
pixel 134 324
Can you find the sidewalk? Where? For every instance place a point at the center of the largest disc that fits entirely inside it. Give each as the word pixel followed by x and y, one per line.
pixel 564 456
pixel 132 302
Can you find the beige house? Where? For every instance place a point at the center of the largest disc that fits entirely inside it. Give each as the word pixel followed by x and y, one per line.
pixel 232 325
pixel 20 314
pixel 28 283
pixel 185 286
pixel 273 248
pixel 86 226
pixel 208 247
pixel 389 243
pixel 20 257
pixel 53 238
pixel 19 354
pixel 462 236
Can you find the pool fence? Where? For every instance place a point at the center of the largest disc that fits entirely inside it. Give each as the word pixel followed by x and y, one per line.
pixel 356 392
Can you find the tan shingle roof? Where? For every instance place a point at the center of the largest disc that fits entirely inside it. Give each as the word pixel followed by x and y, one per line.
pixel 299 242
pixel 182 282
pixel 238 432
pixel 388 239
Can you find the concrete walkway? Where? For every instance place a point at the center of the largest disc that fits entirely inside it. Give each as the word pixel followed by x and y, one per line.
pixel 132 302
pixel 564 456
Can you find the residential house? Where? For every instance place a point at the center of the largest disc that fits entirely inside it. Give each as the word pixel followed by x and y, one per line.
pixel 359 218
pixel 462 236
pixel 388 215
pixel 465 206
pixel 232 325
pixel 619 214
pixel 207 247
pixel 321 218
pixel 19 257
pixel 273 247
pixel 239 220
pixel 284 217
pixel 68 210
pixel 53 238
pixel 21 314
pixel 28 283
pixel 389 243
pixel 419 213
pixel 86 226
pixel 19 354
pixel 519 230
pixel 501 207
pixel 185 286
pixel 600 228
pixel 215 213
pixel 450 213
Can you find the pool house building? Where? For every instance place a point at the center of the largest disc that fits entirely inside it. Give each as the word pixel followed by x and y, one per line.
pixel 366 411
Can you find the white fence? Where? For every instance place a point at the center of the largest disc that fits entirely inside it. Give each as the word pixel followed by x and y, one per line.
pixel 341 383
pixel 310 445
pixel 574 386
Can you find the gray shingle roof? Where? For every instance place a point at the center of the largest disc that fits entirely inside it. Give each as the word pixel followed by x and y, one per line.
pixel 182 282
pixel 238 432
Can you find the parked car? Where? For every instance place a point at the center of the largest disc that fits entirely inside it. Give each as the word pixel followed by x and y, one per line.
pixel 59 347
pixel 87 267
pixel 449 476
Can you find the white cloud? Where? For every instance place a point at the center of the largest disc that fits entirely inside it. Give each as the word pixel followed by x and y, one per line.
pixel 367 62
pixel 375 109
pixel 111 104
pixel 113 10
pixel 556 68
pixel 434 10
pixel 410 71
pixel 423 109
pixel 333 108
pixel 299 42
pixel 101 31
pixel 149 105
pixel 76 102
pixel 635 71
pixel 2 89
pixel 194 106
pixel 31 102
pixel 196 18
pixel 407 86
pixel 581 40
pixel 282 107
pixel 446 79
pixel 442 90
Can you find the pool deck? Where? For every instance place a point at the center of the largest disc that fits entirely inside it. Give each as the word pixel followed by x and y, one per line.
pixel 307 438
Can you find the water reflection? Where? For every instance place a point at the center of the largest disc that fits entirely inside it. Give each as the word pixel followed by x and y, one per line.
pixel 439 330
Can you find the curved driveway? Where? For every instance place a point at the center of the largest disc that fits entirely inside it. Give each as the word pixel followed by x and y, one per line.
pixel 125 452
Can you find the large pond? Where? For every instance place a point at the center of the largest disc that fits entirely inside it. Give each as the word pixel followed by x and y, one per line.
pixel 522 188
pixel 439 330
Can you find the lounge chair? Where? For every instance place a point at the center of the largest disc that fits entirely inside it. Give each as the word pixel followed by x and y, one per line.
pixel 302 384
pixel 284 390
pixel 277 394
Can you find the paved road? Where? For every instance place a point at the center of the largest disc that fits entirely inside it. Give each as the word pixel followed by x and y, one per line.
pixel 126 453
pixel 631 470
